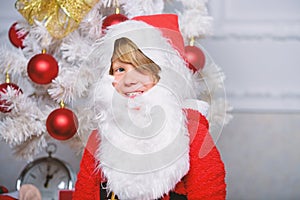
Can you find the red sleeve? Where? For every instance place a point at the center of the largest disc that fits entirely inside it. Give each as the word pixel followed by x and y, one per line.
pixel 206 177
pixel 6 197
pixel 88 179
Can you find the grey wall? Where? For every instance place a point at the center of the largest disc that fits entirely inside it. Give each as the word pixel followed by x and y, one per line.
pixel 257 44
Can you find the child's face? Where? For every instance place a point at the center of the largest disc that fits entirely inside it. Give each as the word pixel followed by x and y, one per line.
pixel 128 81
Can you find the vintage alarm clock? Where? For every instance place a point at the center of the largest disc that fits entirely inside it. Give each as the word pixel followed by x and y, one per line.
pixel 48 174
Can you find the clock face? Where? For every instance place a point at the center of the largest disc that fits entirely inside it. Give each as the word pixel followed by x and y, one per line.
pixel 49 175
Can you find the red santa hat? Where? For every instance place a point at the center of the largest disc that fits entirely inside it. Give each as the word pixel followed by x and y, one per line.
pixel 168 25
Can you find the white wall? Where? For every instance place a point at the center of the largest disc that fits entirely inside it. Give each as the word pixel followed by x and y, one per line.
pixel 257 45
pixel 261 154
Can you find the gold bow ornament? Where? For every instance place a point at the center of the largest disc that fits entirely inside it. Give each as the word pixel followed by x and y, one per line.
pixel 60 17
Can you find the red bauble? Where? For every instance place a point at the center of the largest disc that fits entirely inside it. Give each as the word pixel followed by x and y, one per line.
pixel 62 124
pixel 195 57
pixel 3 189
pixel 15 36
pixel 3 89
pixel 113 19
pixel 42 68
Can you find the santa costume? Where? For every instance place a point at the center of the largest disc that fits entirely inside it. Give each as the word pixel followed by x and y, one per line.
pixel 147 147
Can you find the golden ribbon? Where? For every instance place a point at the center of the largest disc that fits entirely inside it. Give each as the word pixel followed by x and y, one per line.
pixel 60 17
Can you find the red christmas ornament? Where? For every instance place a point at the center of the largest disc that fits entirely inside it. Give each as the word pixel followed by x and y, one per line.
pixel 4 105
pixel 42 68
pixel 62 124
pixel 3 189
pixel 113 19
pixel 15 36
pixel 195 57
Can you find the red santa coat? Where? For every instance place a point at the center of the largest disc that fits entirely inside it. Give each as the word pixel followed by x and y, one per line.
pixel 205 178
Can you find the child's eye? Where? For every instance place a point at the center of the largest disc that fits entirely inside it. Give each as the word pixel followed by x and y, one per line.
pixel 120 69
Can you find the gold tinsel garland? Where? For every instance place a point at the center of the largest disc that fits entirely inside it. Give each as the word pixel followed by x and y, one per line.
pixel 60 17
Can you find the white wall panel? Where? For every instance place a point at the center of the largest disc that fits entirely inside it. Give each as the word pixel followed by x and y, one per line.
pixel 257 43
pixel 256 18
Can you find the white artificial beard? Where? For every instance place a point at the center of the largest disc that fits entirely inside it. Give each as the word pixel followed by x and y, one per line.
pixel 144 150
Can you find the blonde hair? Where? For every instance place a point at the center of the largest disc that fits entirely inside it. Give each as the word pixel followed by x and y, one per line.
pixel 128 52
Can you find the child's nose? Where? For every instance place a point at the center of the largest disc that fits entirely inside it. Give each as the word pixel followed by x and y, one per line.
pixel 130 78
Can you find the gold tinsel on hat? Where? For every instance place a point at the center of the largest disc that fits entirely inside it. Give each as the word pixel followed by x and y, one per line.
pixel 60 17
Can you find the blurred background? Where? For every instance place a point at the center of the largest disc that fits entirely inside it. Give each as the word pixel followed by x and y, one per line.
pixel 257 45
